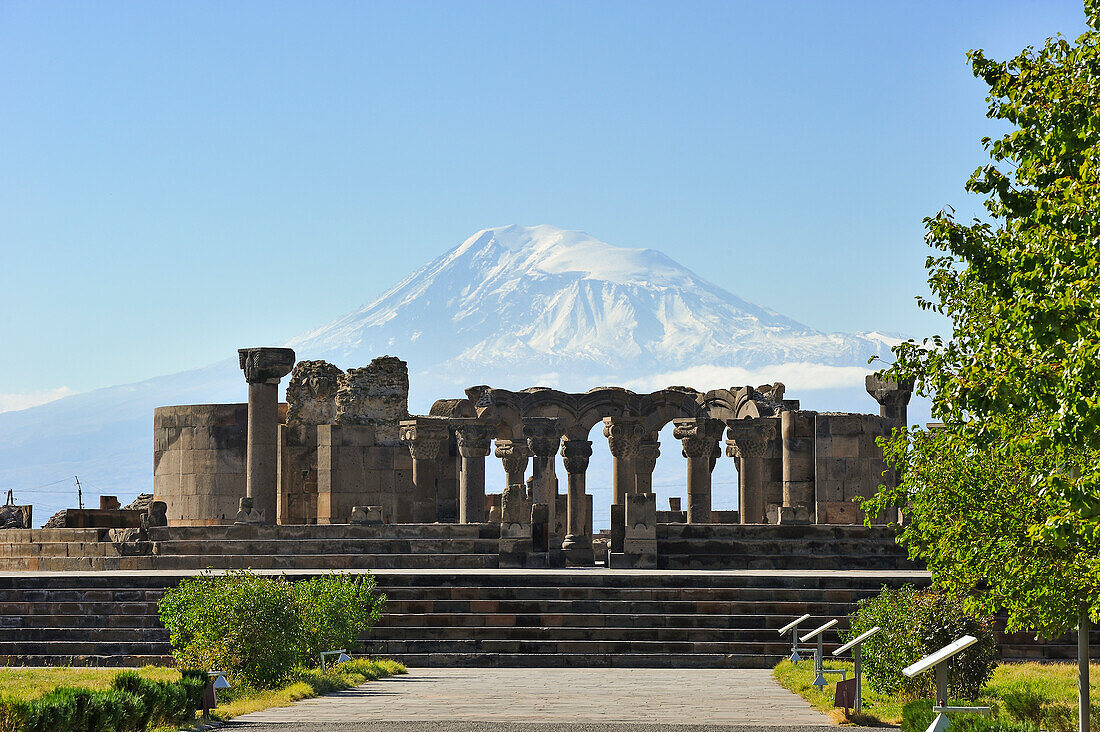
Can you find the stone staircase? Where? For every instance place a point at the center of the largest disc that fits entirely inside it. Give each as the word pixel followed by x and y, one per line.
pixel 782 546
pixel 590 618
pixel 320 547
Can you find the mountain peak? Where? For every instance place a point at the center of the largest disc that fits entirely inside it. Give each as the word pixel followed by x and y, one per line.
pixel 549 250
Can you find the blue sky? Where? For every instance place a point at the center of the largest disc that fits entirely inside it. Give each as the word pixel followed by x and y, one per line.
pixel 181 179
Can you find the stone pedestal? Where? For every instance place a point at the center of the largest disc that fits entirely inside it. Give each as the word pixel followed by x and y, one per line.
pixel 748 442
pixel 426 437
pixel 263 368
pixel 474 441
pixel 624 438
pixel 700 446
pixel 578 538
pixel 640 534
pixel 515 527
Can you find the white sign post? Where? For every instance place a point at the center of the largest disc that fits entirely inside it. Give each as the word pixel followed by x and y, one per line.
pixel 819 655
pixel 938 661
pixel 793 628
pixel 855 644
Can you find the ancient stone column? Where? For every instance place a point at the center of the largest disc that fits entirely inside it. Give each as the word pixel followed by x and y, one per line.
pixel 426 437
pixel 748 442
pixel 893 398
pixel 624 436
pixel 543 438
pixel 474 440
pixel 514 454
pixel 700 440
pixel 798 467
pixel 578 542
pixel 645 460
pixel 263 367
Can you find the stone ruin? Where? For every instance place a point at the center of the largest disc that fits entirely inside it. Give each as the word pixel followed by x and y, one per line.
pixel 345 444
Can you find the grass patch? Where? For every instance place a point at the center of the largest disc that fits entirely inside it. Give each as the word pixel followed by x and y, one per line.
pixel 1055 681
pixel 304 684
pixel 25 684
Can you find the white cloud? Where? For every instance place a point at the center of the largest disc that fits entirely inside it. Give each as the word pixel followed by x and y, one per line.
pixel 15 402
pixel 796 377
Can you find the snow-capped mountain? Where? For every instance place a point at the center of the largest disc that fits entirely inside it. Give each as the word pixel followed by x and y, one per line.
pixel 512 307
pixel 516 302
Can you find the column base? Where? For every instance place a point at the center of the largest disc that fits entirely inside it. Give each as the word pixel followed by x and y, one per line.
pixel 578 551
pixel 789 515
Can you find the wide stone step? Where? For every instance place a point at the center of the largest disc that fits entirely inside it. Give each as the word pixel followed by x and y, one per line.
pixel 442 595
pixel 92 660
pixel 582 620
pixel 781 562
pixel 326 546
pixel 550 646
pixel 797 548
pixel 775 606
pixel 588 660
pixel 326 561
pixel 82 648
pixel 86 622
pixel 577 633
pixel 99 634
pixel 803 532
pixel 325 531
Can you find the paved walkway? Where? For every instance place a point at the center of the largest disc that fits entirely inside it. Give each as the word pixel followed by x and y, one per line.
pixel 546 699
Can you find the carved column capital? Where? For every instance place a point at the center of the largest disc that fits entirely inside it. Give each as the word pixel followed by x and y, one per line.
pixel 425 436
pixel 265 365
pixel 575 455
pixel 645 460
pixel 514 454
pixel 624 435
pixel 748 438
pixel 473 438
pixel 889 393
pixel 699 437
pixel 543 436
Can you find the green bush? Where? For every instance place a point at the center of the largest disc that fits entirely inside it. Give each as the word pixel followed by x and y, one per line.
pixel 915 623
pixel 335 610
pixel 244 624
pixel 132 704
pixel 258 628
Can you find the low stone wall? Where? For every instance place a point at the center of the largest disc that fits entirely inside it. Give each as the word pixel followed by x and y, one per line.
pixel 199 453
pixel 848 463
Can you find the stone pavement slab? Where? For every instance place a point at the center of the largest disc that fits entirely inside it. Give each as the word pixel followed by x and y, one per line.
pixel 633 696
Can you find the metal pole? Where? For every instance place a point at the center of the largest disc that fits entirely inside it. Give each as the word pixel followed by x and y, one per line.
pixel 941 683
pixel 1083 669
pixel 859 681
pixel 819 657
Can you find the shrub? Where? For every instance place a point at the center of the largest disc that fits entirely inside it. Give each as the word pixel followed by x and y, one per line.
pixel 132 704
pixel 915 623
pixel 257 628
pixel 336 610
pixel 241 623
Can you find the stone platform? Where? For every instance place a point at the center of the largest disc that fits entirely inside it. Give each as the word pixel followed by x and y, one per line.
pixel 488 618
pixel 432 546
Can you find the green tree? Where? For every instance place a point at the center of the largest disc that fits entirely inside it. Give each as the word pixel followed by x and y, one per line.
pixel 1005 502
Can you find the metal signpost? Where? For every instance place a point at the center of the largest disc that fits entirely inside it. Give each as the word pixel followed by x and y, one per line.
pixel 938 661
pixel 819 655
pixel 343 656
pixel 793 628
pixel 854 644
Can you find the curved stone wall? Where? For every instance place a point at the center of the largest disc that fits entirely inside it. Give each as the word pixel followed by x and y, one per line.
pixel 199 453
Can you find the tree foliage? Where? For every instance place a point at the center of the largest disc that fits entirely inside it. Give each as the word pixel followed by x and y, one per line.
pixel 1005 501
